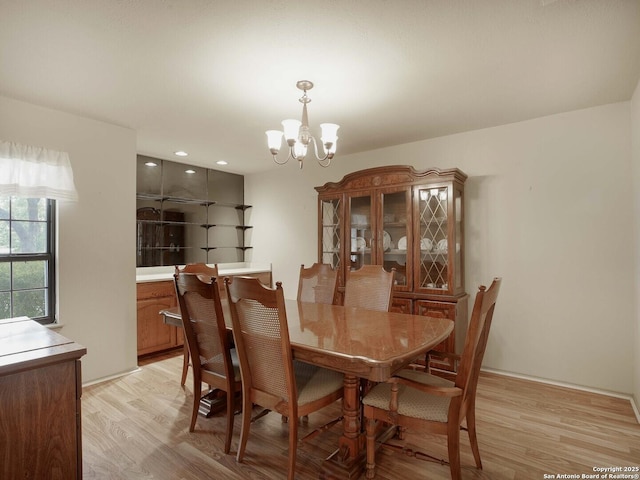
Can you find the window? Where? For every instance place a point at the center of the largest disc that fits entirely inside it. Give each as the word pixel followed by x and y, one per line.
pixel 27 264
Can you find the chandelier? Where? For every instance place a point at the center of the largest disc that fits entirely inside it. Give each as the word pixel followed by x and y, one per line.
pixel 298 138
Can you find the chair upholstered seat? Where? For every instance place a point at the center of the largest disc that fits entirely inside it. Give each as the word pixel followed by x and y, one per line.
pixel 315 382
pixel 411 402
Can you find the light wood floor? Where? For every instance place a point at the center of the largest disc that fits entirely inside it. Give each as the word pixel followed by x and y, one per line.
pixel 136 427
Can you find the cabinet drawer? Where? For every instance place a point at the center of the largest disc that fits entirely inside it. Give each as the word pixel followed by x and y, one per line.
pixel 439 310
pixel 155 289
pixel 402 305
pixel 436 309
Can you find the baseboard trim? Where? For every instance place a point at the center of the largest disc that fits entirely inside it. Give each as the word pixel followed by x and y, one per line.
pixel 111 377
pixel 634 406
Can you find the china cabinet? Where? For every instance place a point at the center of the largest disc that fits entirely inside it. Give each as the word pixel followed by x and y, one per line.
pixel 188 214
pixel 401 218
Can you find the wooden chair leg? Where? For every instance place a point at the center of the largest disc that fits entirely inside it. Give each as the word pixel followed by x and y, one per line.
pixel 197 393
pixel 371 448
pixel 453 446
pixel 247 407
pixel 185 364
pixel 473 440
pixel 230 413
pixel 293 446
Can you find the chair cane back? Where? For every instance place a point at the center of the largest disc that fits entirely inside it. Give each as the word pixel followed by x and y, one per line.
pixel 370 287
pixel 317 284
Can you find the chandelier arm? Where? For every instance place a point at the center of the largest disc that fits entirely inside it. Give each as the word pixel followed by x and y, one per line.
pixel 325 165
pixel 315 151
pixel 275 159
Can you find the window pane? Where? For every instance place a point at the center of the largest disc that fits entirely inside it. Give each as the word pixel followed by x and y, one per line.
pixel 28 237
pixel 5 276
pixel 4 237
pixel 28 209
pixel 31 303
pixel 5 305
pixel 4 208
pixel 29 275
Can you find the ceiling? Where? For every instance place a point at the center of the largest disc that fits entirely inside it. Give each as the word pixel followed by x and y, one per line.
pixel 209 77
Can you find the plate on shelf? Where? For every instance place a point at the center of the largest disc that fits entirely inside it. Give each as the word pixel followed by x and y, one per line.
pixel 402 243
pixel 386 240
pixel 361 243
pixel 443 245
pixel 426 244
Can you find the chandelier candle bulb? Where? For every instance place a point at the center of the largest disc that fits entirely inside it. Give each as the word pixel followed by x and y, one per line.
pixel 274 140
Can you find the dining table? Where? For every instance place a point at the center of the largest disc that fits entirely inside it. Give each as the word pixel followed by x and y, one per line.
pixel 359 343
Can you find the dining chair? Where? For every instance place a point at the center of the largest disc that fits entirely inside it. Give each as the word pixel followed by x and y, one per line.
pixel 424 402
pixel 370 287
pixel 317 284
pixel 271 377
pixel 208 271
pixel 214 361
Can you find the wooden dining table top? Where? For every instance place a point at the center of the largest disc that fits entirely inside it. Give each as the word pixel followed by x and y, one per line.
pixel 355 341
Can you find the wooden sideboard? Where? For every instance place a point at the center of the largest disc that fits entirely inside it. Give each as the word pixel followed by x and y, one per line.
pixel 40 390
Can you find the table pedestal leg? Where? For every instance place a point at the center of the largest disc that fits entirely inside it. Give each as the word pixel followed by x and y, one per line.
pixel 348 461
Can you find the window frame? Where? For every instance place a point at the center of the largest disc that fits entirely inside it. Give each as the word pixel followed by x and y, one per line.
pixel 49 257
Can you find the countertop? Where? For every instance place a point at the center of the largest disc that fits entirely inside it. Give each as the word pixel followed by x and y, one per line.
pixel 158 274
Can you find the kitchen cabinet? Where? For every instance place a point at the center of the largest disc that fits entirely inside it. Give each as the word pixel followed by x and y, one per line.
pixel 40 391
pixel 153 334
pixel 402 218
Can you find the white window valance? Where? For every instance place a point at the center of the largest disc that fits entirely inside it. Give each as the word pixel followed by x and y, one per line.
pixel 35 172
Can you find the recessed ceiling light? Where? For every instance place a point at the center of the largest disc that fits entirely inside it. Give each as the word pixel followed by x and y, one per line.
pixel 151 164
pixel 181 153
pixel 189 171
pixel 221 162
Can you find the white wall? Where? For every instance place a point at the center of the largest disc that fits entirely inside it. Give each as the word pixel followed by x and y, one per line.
pixel 96 235
pixel 635 146
pixel 549 207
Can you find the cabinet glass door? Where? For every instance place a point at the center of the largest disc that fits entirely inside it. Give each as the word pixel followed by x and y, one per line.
pixel 395 240
pixel 433 238
pixel 360 232
pixel 459 235
pixel 331 214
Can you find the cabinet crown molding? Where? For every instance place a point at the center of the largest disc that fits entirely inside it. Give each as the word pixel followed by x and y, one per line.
pixel 391 175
